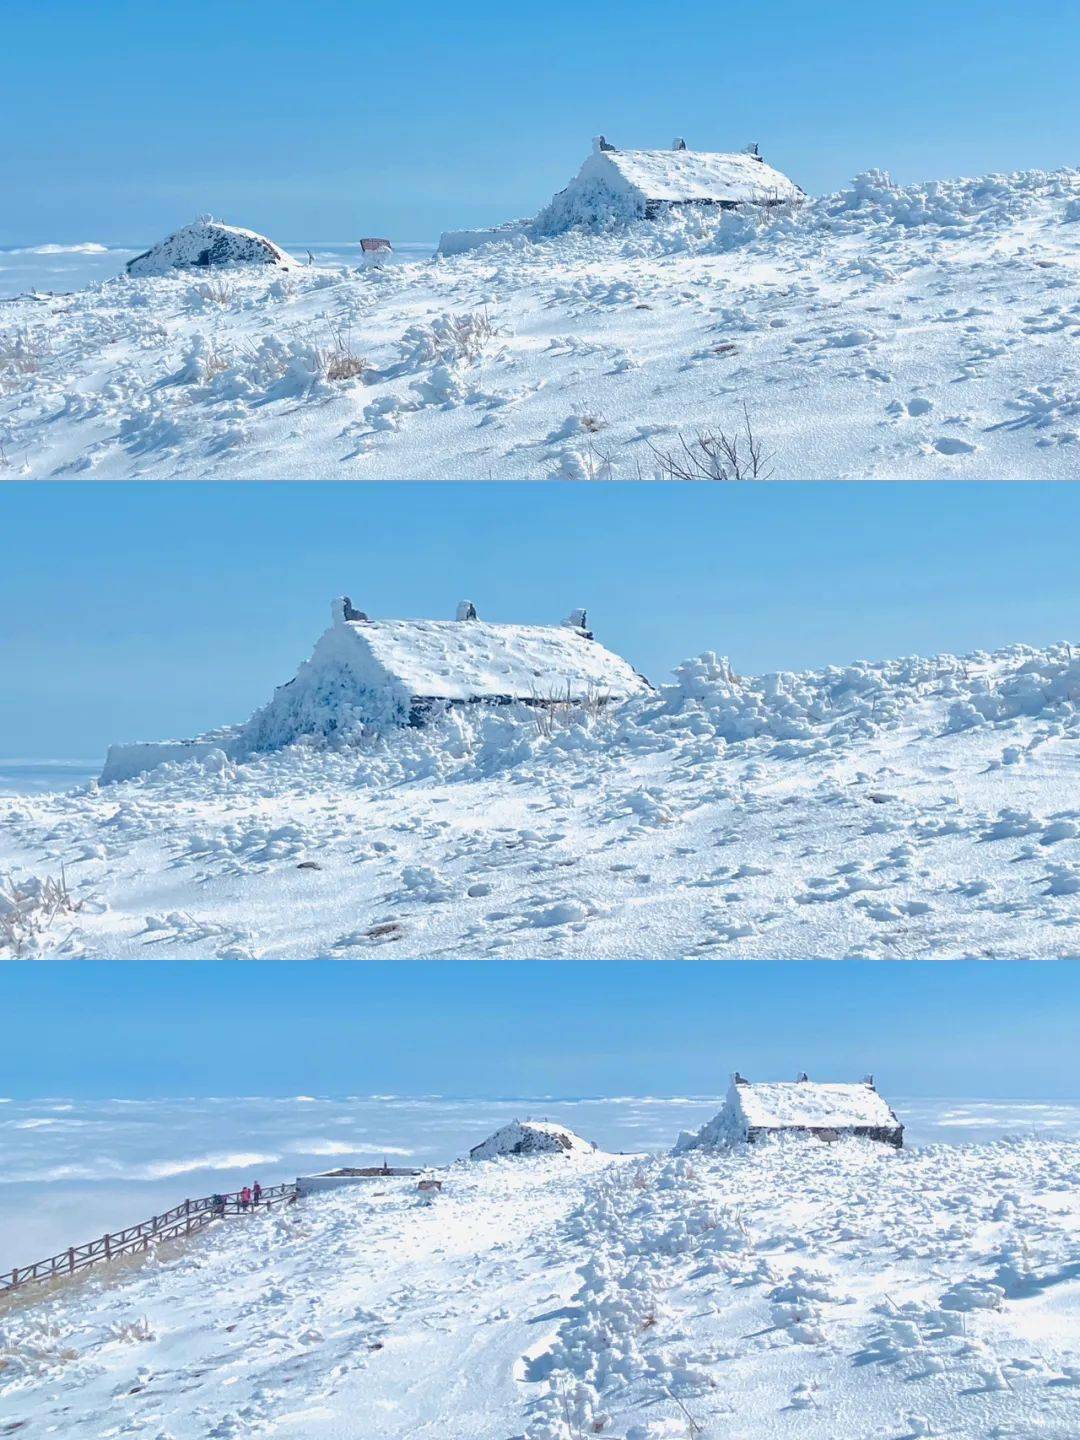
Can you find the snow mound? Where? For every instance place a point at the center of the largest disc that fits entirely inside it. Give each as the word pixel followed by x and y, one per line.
pixel 861 698
pixel 1044 683
pixel 531 1137
pixel 208 244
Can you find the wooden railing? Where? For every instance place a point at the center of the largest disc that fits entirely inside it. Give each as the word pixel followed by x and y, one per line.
pixel 183 1219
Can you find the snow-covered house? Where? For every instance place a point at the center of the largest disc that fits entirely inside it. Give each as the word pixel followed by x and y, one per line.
pixel 368 674
pixel 803 1106
pixel 380 672
pixel 641 184
pixel 208 244
pixel 625 185
pixel 531 1137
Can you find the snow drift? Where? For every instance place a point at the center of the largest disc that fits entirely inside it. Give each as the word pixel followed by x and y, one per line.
pixel 208 244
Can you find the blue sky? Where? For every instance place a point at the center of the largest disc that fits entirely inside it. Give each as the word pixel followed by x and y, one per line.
pixel 337 119
pixel 145 611
pixel 979 1030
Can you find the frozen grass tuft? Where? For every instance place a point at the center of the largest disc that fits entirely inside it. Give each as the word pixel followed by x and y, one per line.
pixel 338 360
pixel 555 710
pixel 212 292
pixel 29 907
pixel 21 355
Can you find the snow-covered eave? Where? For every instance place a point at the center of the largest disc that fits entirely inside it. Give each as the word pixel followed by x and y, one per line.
pixel 891 1133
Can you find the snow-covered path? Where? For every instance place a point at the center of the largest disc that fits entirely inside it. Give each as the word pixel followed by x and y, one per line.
pixel 910 809
pixel 829 1292
pixel 914 332
pixel 370 1308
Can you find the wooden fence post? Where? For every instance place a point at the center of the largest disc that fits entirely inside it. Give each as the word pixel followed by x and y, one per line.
pixel 108 1247
pixel 71 1261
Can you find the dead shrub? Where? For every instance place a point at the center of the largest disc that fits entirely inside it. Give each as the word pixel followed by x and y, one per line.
pixel 716 455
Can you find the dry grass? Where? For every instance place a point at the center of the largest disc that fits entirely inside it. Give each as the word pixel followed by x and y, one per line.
pixel 555 710
pixel 475 332
pixel 338 359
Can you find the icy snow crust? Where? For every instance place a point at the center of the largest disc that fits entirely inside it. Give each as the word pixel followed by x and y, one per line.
pixel 919 331
pixel 903 808
pixel 770 1105
pixel 531 1137
pixel 208 244
pixel 832 1292
pixel 897 809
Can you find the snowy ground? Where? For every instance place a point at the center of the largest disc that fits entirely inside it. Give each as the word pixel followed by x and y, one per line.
pixel 918 808
pixel 844 1292
pixel 920 332
pixel 75 1168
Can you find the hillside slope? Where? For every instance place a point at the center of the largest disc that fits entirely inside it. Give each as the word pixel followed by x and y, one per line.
pixel 829 1292
pixel 913 332
pixel 901 809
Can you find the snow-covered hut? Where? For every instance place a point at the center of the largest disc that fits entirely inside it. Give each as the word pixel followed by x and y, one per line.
pixel 351 1175
pixel 372 674
pixel 803 1106
pixel 625 185
pixel 380 672
pixel 531 1137
pixel 208 244
pixel 642 184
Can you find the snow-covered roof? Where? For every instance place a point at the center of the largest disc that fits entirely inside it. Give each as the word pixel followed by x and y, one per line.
pixel 683 176
pixel 793 1105
pixel 779 1105
pixel 531 1137
pixel 475 659
pixel 208 243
